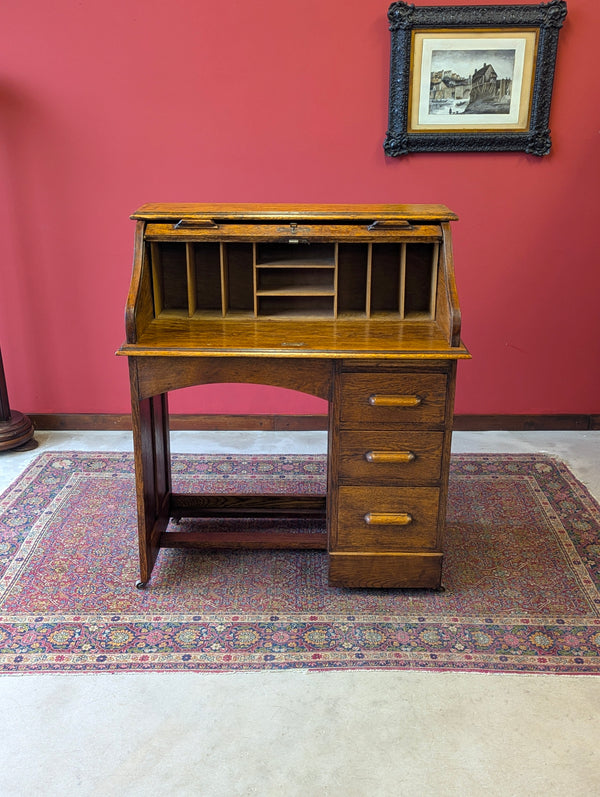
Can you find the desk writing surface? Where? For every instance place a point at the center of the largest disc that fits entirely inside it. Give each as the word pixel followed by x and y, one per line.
pixel 311 338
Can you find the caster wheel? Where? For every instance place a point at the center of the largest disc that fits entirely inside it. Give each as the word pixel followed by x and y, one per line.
pixel 441 589
pixel 140 584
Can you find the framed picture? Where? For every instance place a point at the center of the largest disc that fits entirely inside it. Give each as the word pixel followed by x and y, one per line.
pixel 472 78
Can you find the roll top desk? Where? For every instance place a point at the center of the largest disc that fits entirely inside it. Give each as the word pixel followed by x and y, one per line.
pixel 355 304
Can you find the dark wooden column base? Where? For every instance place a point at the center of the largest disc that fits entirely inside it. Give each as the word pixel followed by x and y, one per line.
pixel 15 432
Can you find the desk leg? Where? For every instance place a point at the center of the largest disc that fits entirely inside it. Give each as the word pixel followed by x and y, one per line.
pixel 150 417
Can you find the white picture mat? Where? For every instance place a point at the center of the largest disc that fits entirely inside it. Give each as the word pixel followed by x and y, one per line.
pixel 451 43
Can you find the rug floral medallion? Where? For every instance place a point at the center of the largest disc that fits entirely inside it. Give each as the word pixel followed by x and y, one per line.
pixel 521 577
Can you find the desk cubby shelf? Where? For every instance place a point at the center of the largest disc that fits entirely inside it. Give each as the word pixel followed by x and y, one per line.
pixel 296 278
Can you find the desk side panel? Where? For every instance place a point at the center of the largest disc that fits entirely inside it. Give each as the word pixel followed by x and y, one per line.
pixel 139 311
pixel 447 308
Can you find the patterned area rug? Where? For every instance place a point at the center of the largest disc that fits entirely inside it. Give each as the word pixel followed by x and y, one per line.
pixel 521 577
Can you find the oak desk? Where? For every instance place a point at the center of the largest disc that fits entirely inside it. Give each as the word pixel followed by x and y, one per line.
pixel 355 304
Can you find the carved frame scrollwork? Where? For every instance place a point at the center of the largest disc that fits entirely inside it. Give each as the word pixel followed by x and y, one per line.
pixel 404 19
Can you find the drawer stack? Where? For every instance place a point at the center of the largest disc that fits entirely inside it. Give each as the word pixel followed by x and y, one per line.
pixel 389 448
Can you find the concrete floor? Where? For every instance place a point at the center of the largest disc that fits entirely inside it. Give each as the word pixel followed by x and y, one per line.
pixel 340 734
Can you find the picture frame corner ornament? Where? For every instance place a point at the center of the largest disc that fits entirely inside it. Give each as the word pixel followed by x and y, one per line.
pixel 539 143
pixel 400 14
pixel 395 145
pixel 555 13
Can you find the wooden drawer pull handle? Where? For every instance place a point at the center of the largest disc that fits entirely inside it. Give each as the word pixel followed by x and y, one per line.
pixel 382 400
pixel 388 518
pixel 390 456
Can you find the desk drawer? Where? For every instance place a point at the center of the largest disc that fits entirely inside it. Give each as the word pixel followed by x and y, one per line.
pixel 374 398
pixel 387 518
pixel 394 457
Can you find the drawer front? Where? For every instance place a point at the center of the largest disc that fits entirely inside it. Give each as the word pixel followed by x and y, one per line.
pixel 387 518
pixel 386 570
pixel 394 457
pixel 373 398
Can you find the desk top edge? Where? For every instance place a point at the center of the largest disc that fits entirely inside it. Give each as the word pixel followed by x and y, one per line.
pixel 155 211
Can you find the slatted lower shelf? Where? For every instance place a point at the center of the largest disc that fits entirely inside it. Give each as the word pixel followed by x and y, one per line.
pixel 226 505
pixel 266 507
pixel 251 541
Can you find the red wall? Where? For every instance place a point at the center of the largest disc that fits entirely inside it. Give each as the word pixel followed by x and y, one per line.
pixel 107 105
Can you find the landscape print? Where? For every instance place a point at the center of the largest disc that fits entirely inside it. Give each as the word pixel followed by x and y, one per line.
pixel 474 81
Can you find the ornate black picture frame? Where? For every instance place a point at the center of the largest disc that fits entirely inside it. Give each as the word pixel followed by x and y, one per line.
pixel 472 78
